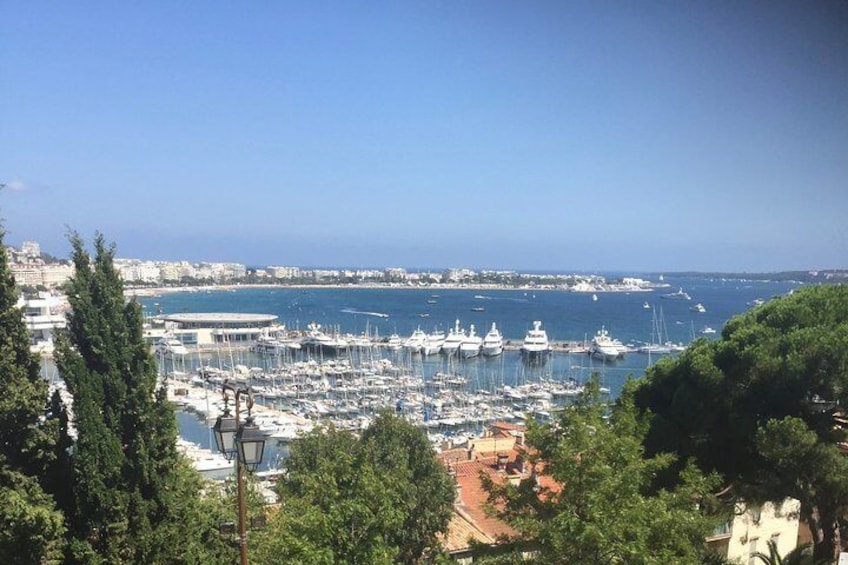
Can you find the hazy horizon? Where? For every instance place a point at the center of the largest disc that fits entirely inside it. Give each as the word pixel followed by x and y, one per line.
pixel 648 137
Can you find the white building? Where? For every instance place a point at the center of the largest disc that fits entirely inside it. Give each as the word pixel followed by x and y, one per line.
pixel 753 526
pixel 285 272
pixel 43 314
pixel 208 329
pixel 31 249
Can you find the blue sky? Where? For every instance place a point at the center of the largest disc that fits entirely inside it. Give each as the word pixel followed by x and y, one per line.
pixel 531 135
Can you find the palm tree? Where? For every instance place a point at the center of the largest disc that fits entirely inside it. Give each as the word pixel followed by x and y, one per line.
pixel 801 555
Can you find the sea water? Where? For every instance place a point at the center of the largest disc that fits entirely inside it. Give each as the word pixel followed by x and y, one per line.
pixel 566 316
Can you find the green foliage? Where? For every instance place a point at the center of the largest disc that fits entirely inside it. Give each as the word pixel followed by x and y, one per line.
pixel 25 443
pixel 424 491
pixel 378 499
pixel 31 529
pixel 602 509
pixel 132 498
pixel 801 555
pixel 758 406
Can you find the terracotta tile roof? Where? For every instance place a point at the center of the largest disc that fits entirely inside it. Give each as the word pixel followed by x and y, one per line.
pixel 471 520
pixel 460 531
pixel 473 498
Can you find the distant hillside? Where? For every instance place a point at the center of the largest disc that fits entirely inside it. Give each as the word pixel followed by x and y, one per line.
pixel 812 277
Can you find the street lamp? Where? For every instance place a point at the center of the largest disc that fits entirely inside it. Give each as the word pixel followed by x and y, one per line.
pixel 242 442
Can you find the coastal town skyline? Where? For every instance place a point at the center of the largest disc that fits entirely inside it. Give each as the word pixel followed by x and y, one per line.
pixel 552 137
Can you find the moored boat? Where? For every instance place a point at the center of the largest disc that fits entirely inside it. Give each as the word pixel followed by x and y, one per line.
pixel 433 342
pixel 170 346
pixel 471 345
pixel 493 342
pixel 604 347
pixel 454 339
pixel 536 347
pixel 415 342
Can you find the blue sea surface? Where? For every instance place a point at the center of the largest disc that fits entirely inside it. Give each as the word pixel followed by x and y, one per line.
pixel 566 316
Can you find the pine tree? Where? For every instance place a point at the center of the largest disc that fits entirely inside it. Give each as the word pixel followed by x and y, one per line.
pixel 30 527
pixel 134 500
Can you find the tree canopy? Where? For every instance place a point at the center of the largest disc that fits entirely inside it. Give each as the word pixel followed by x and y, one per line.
pixel 132 498
pixel 591 500
pixel 759 406
pixel 381 498
pixel 31 528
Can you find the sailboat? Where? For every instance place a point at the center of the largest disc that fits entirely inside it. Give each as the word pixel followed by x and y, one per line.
pixel 658 329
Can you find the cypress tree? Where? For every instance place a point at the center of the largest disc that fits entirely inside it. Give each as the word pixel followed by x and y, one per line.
pixel 134 499
pixel 30 526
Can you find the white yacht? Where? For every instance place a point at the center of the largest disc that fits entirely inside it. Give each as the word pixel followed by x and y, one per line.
pixel 536 347
pixel 493 342
pixel 471 345
pixel 394 343
pixel 275 341
pixel 679 295
pixel 169 346
pixel 455 338
pixel 698 308
pixel 604 347
pixel 707 330
pixel 415 342
pixel 318 341
pixel 433 342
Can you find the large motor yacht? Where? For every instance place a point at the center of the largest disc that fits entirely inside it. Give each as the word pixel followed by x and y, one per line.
pixel 415 342
pixel 493 342
pixel 455 338
pixel 604 347
pixel 536 348
pixel 433 342
pixel 471 345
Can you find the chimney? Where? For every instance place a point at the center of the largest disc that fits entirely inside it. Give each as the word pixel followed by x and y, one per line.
pixel 503 459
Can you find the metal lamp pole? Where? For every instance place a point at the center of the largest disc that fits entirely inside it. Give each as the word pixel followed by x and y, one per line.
pixel 243 442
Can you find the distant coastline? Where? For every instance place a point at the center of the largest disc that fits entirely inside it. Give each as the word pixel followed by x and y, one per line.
pixel 153 291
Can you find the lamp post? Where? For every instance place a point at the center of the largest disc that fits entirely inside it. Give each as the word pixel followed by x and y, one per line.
pixel 242 442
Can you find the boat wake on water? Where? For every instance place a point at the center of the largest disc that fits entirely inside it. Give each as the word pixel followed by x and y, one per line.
pixel 375 314
pixel 482 297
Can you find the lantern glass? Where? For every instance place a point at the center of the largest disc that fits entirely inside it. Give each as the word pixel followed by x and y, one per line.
pixel 251 444
pixel 225 434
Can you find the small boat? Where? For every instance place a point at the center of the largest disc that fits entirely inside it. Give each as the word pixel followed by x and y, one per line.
pixel 707 330
pixel 594 298
pixel 679 295
pixel 478 309
pixel 424 315
pixel 646 306
pixel 698 308
pixel 432 301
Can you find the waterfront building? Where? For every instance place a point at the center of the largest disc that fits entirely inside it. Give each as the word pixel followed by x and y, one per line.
pixel 207 329
pixel 43 314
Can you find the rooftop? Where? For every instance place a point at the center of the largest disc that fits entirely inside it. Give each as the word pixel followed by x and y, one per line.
pixel 214 318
